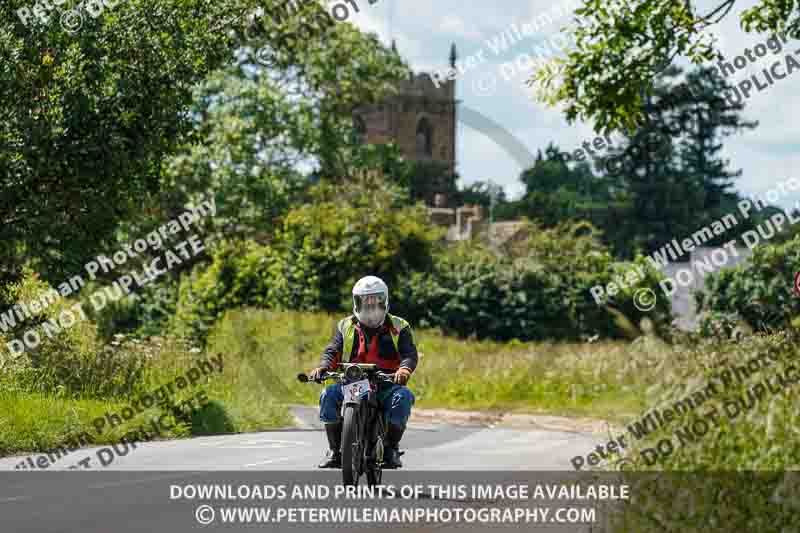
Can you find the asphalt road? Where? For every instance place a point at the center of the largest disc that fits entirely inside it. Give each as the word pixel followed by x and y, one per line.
pixel 428 447
pixel 132 492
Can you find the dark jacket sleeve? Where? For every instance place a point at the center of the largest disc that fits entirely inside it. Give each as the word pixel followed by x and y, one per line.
pixel 407 348
pixel 333 350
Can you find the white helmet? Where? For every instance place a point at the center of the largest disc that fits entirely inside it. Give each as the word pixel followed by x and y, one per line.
pixel 370 301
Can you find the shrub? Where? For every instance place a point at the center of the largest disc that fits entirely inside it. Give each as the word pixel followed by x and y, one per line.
pixel 541 294
pixel 211 419
pixel 238 276
pixel 69 360
pixel 347 232
pixel 144 313
pixel 759 291
pixel 314 258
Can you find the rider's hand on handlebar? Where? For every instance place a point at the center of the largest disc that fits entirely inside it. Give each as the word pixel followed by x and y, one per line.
pixel 402 375
pixel 316 374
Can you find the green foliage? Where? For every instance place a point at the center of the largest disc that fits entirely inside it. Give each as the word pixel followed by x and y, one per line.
pixel 758 439
pixel 211 419
pixel 315 257
pixel 143 313
pixel 70 361
pixel 426 178
pixel 239 275
pixel 346 233
pixel 731 501
pixel 676 154
pixel 269 348
pixel 95 113
pixel 40 413
pixel 154 104
pixel 759 291
pixel 673 154
pixel 604 79
pixel 759 442
pixel 541 294
pixel 482 193
pixel 551 173
pixel 718 325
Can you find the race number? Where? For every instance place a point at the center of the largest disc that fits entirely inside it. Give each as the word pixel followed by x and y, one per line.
pixel 354 391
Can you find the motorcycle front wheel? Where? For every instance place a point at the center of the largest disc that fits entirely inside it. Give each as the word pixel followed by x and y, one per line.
pixel 374 476
pixel 374 467
pixel 352 450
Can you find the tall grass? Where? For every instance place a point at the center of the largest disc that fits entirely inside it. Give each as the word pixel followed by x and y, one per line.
pixel 601 379
pixel 740 475
pixel 764 437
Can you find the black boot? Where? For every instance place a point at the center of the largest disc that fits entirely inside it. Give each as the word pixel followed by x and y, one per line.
pixel 333 459
pixel 391 455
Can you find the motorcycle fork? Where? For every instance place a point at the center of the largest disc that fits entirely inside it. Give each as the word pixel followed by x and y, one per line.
pixel 375 429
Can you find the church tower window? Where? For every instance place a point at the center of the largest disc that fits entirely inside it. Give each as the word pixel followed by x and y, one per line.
pixel 424 138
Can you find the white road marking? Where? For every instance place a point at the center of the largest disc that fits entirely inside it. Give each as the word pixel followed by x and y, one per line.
pixel 279 460
pixel 276 440
pixel 263 443
pixel 216 442
pixel 18 498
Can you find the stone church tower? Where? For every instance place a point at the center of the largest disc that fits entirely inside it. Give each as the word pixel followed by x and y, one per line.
pixel 420 119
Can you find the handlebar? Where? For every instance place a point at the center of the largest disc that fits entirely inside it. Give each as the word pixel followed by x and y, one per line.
pixel 303 378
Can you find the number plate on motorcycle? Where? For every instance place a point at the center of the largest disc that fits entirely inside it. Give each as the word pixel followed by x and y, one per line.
pixel 354 391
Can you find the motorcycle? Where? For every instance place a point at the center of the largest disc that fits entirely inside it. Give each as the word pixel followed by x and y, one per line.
pixel 364 427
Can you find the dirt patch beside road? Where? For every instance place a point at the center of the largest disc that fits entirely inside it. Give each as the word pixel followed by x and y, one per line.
pixel 509 420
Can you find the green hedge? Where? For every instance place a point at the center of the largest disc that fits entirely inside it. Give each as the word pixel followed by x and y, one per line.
pixel 537 289
pixel 70 360
pixel 541 294
pixel 322 247
pixel 759 291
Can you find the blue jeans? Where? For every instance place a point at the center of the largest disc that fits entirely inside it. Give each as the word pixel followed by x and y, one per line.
pixel 395 399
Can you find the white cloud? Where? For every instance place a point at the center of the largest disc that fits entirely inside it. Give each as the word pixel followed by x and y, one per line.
pixel 455 25
pixel 424 31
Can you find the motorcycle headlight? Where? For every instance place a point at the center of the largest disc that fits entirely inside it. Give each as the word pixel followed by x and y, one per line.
pixel 353 373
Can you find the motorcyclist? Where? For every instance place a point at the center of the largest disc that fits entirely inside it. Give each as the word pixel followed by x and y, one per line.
pixel 370 335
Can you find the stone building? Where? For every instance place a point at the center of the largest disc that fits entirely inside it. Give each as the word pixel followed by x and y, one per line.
pixel 420 119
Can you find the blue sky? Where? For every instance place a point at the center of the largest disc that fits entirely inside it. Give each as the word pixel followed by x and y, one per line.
pixel 424 31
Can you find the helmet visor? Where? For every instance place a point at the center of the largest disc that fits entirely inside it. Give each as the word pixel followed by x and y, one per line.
pixel 370 308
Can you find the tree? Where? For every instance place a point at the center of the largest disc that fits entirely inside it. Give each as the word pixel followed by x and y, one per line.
pixel 556 191
pixel 259 119
pixel 619 48
pixel 705 117
pixel 427 178
pixel 481 193
pixel 670 171
pixel 91 121
pixel 88 120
